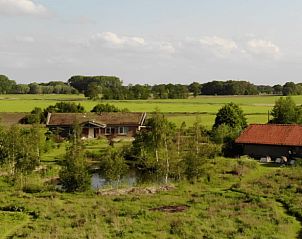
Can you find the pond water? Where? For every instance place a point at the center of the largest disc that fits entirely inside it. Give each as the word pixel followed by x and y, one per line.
pixel 130 179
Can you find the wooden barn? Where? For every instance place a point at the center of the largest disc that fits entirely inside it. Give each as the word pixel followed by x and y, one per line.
pixel 274 140
pixel 110 125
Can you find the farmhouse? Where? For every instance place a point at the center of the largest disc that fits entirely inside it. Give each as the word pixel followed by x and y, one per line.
pixel 274 140
pixel 94 125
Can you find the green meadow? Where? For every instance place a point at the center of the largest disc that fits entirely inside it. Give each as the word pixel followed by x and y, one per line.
pixel 256 108
pixel 256 203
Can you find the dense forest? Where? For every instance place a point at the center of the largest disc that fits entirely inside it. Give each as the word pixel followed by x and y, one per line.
pixel 112 88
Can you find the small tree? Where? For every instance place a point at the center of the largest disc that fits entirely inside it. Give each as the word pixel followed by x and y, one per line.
pixel 232 115
pixel 113 165
pixel 193 166
pixel 229 122
pixel 36 116
pixel 74 174
pixel 99 108
pixel 65 107
pixel 285 111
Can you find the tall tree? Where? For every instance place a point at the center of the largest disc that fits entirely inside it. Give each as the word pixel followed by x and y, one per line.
pixel 277 89
pixel 289 88
pixel 154 147
pixel 195 88
pixel 6 85
pixel 74 173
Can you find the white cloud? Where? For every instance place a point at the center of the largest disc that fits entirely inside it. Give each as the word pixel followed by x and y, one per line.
pixel 262 47
pixel 115 40
pixel 167 47
pixel 131 44
pixel 220 46
pixel 21 7
pixel 25 39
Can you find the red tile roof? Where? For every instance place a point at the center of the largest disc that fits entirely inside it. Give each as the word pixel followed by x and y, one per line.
pixel 271 134
pixel 118 118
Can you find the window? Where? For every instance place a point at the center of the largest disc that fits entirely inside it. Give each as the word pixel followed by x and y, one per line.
pixel 108 130
pixel 122 130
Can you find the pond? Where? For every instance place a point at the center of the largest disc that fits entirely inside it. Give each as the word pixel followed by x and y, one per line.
pixel 130 179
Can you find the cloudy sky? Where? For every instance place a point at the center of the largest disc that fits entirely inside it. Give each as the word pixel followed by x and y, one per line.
pixel 152 41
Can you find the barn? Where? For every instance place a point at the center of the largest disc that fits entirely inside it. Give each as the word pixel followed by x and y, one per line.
pixel 110 125
pixel 274 140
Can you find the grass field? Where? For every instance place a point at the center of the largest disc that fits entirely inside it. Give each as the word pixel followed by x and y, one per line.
pixel 255 107
pixel 226 206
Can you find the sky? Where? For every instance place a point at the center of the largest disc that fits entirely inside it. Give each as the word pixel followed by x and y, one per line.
pixel 152 41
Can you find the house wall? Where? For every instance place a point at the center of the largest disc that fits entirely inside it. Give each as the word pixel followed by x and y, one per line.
pixel 95 132
pixel 255 150
pixel 131 132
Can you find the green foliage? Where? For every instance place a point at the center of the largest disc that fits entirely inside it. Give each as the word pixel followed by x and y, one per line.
pixel 195 88
pixel 65 107
pixel 109 86
pixel 154 148
pixel 36 116
pixel 265 89
pixel 74 174
pixel 229 122
pixel 285 111
pixel 6 85
pixel 174 153
pixel 21 89
pixel 21 148
pixel 224 133
pixel 194 165
pixel 137 91
pixel 229 88
pixel 99 108
pixel 113 164
pixel 93 91
pixel 290 88
pixel 277 89
pixel 232 115
pixel 170 91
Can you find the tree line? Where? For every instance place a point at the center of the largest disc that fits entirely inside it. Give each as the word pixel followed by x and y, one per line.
pixel 112 88
pixel 8 86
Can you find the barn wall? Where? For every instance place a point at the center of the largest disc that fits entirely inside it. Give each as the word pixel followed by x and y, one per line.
pixel 266 150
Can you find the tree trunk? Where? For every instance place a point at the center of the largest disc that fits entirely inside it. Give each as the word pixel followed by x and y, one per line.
pixel 167 162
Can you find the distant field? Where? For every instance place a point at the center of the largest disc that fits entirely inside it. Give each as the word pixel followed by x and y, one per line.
pixel 255 107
